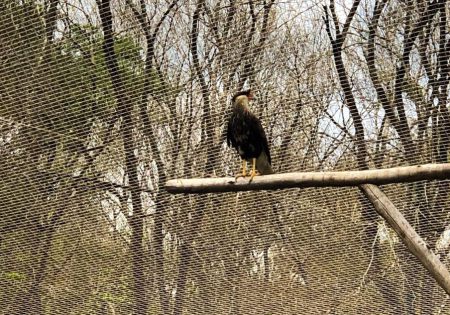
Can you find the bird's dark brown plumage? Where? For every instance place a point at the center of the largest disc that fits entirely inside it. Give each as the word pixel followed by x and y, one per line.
pixel 246 134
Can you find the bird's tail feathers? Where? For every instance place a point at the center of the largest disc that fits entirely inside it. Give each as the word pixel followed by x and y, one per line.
pixel 262 164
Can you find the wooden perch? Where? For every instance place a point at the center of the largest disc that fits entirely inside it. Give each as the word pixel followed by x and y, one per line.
pixel 363 179
pixel 408 235
pixel 311 179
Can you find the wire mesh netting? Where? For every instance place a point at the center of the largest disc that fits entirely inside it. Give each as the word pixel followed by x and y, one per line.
pixel 102 102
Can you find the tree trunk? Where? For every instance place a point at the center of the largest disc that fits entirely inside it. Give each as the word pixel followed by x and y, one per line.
pixel 140 303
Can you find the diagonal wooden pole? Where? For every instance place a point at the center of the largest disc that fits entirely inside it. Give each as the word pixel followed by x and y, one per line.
pixel 408 235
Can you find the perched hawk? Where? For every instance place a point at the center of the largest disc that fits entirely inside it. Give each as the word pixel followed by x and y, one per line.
pixel 246 134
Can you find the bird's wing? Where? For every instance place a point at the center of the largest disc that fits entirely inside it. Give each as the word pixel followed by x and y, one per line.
pixel 259 135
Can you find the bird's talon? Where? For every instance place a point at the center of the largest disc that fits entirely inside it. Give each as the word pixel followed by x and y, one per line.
pixel 253 172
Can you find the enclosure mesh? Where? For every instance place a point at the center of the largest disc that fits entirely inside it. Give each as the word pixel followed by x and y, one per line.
pixel 98 111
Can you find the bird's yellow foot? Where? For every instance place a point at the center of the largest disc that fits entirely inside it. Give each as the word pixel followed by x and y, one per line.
pixel 253 172
pixel 244 171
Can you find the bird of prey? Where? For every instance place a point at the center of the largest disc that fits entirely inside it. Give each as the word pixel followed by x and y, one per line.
pixel 246 134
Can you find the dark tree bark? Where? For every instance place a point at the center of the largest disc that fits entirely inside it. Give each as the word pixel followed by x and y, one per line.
pixel 50 20
pixel 140 303
pixel 337 45
pixel 361 150
pixel 250 55
pixel 160 197
pixel 185 252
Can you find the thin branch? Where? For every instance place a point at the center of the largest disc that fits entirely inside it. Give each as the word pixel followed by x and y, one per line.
pixel 349 19
pixel 335 19
pixel 400 75
pixel 91 181
pixel 344 82
pixel 50 20
pixel 248 72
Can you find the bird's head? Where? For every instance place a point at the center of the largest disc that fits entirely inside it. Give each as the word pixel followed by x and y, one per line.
pixel 242 97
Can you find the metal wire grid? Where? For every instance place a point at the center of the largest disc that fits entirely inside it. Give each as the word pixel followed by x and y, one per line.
pixel 63 158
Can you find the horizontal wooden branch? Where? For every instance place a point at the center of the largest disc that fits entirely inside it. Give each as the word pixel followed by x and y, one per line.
pixel 310 179
pixel 408 235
